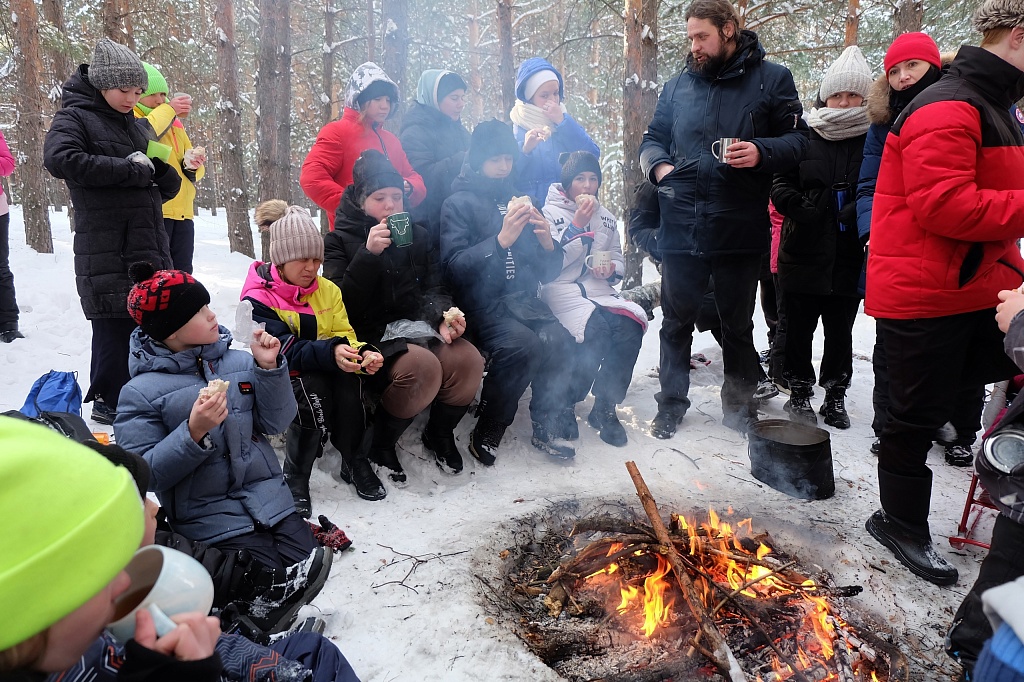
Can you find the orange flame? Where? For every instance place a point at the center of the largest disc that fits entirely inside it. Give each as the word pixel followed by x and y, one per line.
pixel 656 608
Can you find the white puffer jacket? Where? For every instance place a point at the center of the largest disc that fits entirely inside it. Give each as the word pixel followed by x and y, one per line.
pixel 575 293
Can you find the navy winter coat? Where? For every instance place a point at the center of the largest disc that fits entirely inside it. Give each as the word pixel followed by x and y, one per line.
pixel 118 203
pixel 479 270
pixel 221 488
pixel 709 208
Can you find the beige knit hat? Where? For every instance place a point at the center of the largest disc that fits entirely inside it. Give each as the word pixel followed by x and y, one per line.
pixel 993 14
pixel 849 73
pixel 294 236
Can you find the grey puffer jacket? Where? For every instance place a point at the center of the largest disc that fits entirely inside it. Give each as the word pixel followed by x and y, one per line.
pixel 224 486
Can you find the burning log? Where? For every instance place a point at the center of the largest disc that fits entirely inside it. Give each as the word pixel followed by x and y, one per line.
pixel 720 652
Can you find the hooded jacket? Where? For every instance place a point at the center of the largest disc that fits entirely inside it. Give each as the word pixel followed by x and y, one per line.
pixel 118 203
pixel 576 292
pixel 171 132
pixel 399 284
pixel 538 169
pixel 947 207
pixel 327 170
pixel 707 207
pixel 480 271
pixel 225 485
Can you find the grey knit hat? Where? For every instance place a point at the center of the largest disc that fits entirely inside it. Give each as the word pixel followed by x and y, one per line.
pixel 294 237
pixel 993 14
pixel 115 66
pixel 849 73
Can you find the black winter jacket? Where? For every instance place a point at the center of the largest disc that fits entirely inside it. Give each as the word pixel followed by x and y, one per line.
pixel 820 250
pixel 480 271
pixel 436 147
pixel 709 207
pixel 399 284
pixel 118 203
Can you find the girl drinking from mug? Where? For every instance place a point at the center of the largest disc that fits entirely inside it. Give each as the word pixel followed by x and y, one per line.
pixel 383 281
pixel 543 128
pixel 607 328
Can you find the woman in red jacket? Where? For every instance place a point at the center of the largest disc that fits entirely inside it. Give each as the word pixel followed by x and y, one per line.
pixel 370 100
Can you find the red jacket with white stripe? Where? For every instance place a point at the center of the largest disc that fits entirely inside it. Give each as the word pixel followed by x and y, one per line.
pixel 949 203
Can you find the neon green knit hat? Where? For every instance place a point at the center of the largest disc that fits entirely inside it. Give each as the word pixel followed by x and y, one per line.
pixel 72 521
pixel 157 82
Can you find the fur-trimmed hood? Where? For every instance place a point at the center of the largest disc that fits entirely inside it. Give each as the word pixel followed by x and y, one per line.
pixel 879 110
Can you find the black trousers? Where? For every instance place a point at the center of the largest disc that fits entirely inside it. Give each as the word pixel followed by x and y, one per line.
pixel 605 359
pixel 8 305
pixel 539 354
pixel 837 314
pixel 1004 563
pixel 332 403
pixel 683 283
pixel 181 235
pixel 769 298
pixel 777 359
pixel 277 547
pixel 108 367
pixel 926 357
pixel 968 400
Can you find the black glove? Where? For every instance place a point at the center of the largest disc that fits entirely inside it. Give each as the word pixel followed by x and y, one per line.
pixel 160 167
pixel 848 214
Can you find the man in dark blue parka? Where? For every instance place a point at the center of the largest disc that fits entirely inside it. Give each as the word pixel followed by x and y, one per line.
pixel 715 213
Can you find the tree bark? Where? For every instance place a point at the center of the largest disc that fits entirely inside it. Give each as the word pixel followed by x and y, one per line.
pixel 640 96
pixel 61 64
pixel 236 189
pixel 327 113
pixel 273 95
pixel 371 33
pixel 475 80
pixel 852 22
pixel 506 63
pixel 111 15
pixel 396 53
pixel 907 16
pixel 30 128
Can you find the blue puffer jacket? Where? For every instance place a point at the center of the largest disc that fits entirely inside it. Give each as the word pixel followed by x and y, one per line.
pixel 220 490
pixel 540 168
pixel 707 207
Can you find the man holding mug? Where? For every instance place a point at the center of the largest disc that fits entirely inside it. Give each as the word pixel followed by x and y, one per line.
pixel 715 210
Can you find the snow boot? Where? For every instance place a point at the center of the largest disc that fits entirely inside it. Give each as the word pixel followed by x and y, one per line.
pixel 959 455
pixel 387 429
pixel 439 436
pixel 834 407
pixel 766 390
pixel 647 296
pixel 302 447
pixel 360 473
pixel 269 599
pixel 799 404
pixel 664 424
pixel 565 425
pixel 485 439
pixel 913 550
pixel 546 439
pixel 604 419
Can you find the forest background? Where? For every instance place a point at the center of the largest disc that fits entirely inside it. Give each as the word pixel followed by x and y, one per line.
pixel 266 75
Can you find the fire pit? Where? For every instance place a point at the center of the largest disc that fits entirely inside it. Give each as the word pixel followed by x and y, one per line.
pixel 600 597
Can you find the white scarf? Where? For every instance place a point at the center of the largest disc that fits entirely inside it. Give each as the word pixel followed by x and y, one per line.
pixel 839 124
pixel 530 117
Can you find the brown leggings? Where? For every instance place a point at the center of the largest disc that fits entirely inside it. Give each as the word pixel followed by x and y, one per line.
pixel 449 372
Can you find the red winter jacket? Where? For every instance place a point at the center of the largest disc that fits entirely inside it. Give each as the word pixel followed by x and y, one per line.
pixel 949 203
pixel 327 170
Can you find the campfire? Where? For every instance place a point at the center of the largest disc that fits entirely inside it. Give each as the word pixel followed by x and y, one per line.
pixel 610 598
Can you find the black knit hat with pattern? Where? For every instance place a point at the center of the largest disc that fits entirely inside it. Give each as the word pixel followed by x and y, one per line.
pixel 162 302
pixel 490 138
pixel 574 163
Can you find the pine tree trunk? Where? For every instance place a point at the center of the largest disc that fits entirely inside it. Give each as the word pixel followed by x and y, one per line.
pixel 111 17
pixel 907 16
pixel 236 194
pixel 506 63
pixel 30 128
pixel 475 80
pixel 396 54
pixel 53 13
pixel 371 33
pixel 640 96
pixel 327 113
pixel 273 94
pixel 852 22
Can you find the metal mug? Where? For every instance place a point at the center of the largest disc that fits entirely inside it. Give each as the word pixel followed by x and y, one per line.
pixel 723 144
pixel 841 194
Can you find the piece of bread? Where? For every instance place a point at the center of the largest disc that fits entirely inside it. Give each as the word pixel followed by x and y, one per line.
pixel 453 313
pixel 199 150
pixel 519 201
pixel 584 198
pixel 213 388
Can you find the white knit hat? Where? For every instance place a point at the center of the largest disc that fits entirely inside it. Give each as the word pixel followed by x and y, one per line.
pixel 993 14
pixel 849 73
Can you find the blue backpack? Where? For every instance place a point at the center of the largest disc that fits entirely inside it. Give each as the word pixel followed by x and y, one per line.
pixel 54 392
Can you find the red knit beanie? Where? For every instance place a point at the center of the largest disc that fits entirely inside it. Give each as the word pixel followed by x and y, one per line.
pixel 912 46
pixel 162 301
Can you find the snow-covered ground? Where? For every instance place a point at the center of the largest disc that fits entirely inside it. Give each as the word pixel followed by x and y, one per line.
pixel 435 625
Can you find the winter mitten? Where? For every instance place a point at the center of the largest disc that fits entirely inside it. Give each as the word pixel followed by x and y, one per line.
pixel 329 535
pixel 141 159
pixel 159 167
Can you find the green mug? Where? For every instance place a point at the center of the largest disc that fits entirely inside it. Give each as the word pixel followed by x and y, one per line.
pixel 156 150
pixel 400 225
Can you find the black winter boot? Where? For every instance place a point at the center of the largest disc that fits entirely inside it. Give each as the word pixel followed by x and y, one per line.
pixel 270 599
pixel 359 472
pixel 834 407
pixel 604 419
pixel 799 404
pixel 439 436
pixel 302 447
pixel 485 439
pixel 387 429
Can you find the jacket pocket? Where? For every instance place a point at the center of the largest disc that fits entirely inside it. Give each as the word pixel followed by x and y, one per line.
pixel 970 265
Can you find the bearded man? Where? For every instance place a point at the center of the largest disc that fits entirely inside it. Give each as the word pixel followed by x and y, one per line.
pixel 714 198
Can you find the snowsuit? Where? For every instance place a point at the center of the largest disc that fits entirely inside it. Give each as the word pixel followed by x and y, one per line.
pixel 179 210
pixel 714 218
pixel 118 217
pixel 229 485
pixel 497 289
pixel 538 169
pixel 310 322
pixel 8 305
pixel 608 329
pixel 943 243
pixel 327 170
pixel 399 284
